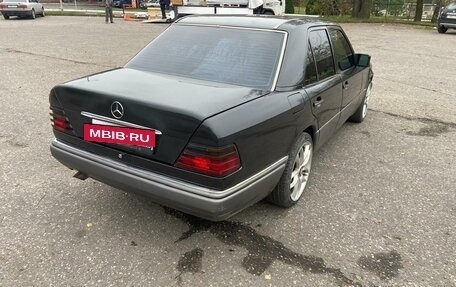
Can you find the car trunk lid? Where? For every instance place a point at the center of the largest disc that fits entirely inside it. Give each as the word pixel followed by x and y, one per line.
pixel 173 106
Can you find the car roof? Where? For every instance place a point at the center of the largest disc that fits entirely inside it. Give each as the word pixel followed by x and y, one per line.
pixel 252 21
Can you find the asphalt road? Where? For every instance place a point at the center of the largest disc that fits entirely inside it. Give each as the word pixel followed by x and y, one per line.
pixel 380 209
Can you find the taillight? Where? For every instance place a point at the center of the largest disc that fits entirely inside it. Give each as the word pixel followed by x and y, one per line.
pixel 59 120
pixel 2 6
pixel 443 12
pixel 21 6
pixel 213 161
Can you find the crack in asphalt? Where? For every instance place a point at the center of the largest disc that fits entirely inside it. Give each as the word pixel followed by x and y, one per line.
pixel 12 141
pixel 262 250
pixel 435 126
pixel 41 199
pixel 9 50
pixel 415 86
pixel 427 55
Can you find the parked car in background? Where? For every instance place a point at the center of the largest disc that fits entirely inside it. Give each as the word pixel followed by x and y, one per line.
pixel 25 8
pixel 216 113
pixel 447 18
pixel 149 3
pixel 121 3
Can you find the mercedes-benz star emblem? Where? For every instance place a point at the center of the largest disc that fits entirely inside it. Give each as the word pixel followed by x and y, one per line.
pixel 117 110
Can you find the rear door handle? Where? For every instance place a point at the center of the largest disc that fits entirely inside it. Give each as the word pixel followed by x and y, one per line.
pixel 318 102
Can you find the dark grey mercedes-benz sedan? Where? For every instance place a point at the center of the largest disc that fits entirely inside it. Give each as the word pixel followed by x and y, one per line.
pixel 216 113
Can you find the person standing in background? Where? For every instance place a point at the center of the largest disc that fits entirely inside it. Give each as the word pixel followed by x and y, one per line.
pixel 109 4
pixel 164 5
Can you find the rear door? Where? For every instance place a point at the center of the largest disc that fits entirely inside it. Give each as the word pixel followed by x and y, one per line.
pixel 35 5
pixel 351 75
pixel 32 5
pixel 322 83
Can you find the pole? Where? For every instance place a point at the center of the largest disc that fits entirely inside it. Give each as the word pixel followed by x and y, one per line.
pixel 61 5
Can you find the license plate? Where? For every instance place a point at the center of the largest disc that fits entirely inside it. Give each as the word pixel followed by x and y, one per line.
pixel 119 135
pixel 12 6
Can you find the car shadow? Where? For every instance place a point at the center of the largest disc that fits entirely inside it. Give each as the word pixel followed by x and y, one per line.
pixel 15 18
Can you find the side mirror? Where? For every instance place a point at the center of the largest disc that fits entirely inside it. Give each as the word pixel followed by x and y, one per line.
pixel 362 60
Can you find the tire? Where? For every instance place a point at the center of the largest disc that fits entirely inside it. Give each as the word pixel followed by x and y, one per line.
pixel 361 112
pixel 6 16
pixel 442 29
pixel 296 174
pixel 33 15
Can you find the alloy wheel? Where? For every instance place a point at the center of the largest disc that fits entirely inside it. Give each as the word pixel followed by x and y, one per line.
pixel 301 171
pixel 366 99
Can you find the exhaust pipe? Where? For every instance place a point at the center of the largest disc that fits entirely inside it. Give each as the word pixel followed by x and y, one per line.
pixel 81 175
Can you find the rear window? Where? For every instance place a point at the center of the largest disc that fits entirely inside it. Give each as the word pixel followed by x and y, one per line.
pixel 233 56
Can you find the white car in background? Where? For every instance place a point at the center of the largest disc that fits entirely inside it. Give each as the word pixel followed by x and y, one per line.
pixel 25 8
pixel 149 3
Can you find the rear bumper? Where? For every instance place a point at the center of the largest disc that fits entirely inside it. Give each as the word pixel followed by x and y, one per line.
pixel 447 23
pixel 193 199
pixel 20 13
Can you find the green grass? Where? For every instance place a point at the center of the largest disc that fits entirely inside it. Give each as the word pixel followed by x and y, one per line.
pixel 87 13
pixel 372 19
pixel 74 13
pixel 299 10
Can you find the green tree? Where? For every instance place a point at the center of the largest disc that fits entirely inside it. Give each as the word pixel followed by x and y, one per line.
pixel 323 7
pixel 388 7
pixel 312 7
pixel 289 7
pixel 362 9
pixel 419 10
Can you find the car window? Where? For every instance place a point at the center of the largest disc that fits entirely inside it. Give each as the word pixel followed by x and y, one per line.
pixel 342 50
pixel 321 49
pixel 311 70
pixel 234 56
